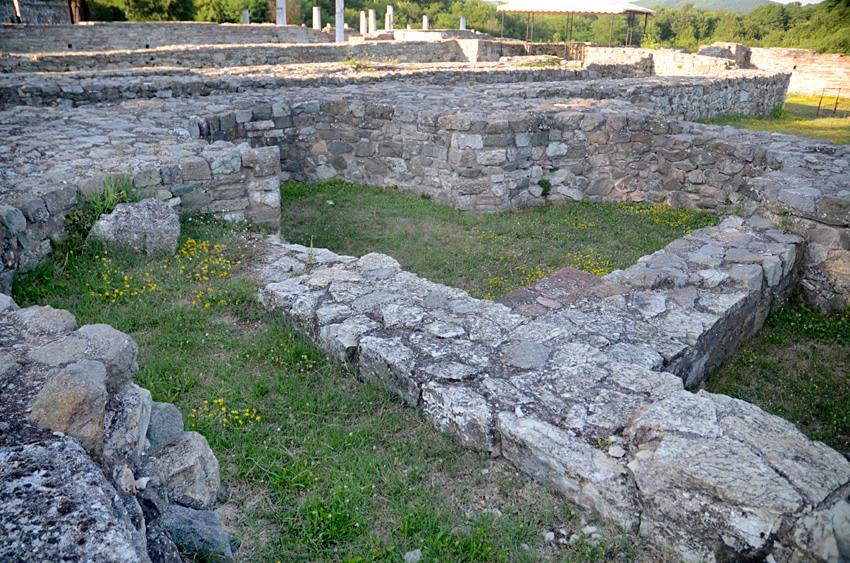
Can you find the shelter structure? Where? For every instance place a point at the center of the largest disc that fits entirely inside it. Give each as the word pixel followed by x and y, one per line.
pixel 572 7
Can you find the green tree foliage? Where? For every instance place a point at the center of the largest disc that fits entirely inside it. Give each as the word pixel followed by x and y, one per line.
pixel 222 11
pixel 160 10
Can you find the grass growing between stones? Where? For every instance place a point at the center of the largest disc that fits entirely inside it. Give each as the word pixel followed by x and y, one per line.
pixel 484 254
pixel 796 368
pixel 320 466
pixel 799 118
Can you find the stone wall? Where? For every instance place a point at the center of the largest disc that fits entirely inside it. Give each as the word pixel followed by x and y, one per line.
pixel 810 72
pixel 117 36
pixel 115 85
pixel 665 62
pixel 610 152
pixel 233 182
pixel 491 162
pixel 93 468
pixel 570 380
pixel 234 55
pixel 35 12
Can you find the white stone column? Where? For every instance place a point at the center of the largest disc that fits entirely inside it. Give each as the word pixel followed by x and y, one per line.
pixel 463 22
pixel 317 19
pixel 339 23
pixel 390 17
pixel 373 23
pixel 280 12
pixel 246 19
pixel 364 27
pixel 424 23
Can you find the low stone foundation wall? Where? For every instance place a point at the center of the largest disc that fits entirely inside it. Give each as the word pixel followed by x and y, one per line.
pixel 565 380
pixel 99 86
pixel 665 62
pixel 810 72
pixel 230 55
pixel 494 162
pixel 112 36
pixel 232 182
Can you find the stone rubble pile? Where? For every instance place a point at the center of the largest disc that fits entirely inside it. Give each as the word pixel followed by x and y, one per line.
pixel 580 382
pixel 91 468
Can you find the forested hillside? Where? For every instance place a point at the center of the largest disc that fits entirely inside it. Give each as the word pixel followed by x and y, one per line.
pixel 740 6
pixel 823 27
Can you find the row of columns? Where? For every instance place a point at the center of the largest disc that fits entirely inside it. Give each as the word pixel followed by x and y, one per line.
pixel 339 21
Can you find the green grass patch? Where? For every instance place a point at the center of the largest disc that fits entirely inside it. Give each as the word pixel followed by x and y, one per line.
pixel 796 368
pixel 487 255
pixel 320 466
pixel 551 61
pixel 799 118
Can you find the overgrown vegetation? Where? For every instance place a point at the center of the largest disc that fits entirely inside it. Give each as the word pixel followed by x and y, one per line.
pixel 796 368
pixel 320 466
pixel 487 255
pixel 799 118
pixel 551 61
pixel 114 190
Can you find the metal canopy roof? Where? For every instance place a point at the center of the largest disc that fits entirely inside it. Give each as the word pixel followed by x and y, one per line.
pixel 573 7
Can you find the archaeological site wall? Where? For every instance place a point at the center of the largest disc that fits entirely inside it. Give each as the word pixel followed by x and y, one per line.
pixel 810 72
pixel 547 373
pixel 663 62
pixel 35 12
pixel 122 36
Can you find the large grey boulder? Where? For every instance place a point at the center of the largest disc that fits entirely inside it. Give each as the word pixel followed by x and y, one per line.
pixel 56 505
pixel 198 532
pixel 73 401
pixel 149 226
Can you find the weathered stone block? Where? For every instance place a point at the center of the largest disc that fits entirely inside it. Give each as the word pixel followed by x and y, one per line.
pixel 114 349
pixel 189 470
pixel 195 168
pixel 125 425
pixel 73 401
pixel 166 426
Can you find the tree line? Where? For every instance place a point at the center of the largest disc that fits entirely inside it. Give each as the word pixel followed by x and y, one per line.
pixel 823 27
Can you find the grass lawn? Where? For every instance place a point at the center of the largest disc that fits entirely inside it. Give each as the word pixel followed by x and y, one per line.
pixel 798 118
pixel 320 466
pixel 484 254
pixel 797 367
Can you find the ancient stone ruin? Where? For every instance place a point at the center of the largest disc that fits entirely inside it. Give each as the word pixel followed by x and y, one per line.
pixel 583 383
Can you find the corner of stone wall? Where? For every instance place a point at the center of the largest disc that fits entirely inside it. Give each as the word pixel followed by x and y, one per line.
pixel 99 465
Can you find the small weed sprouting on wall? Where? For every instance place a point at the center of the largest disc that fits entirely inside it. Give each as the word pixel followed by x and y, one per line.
pixel 546 185
pixel 82 218
pixel 359 65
